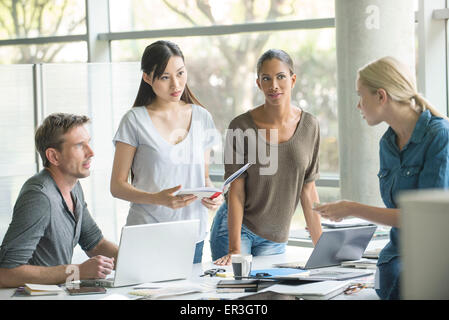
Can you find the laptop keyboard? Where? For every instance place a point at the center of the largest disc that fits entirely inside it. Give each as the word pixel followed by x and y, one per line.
pixel 109 282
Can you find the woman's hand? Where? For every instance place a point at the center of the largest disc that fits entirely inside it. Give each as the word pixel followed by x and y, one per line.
pixel 213 204
pixel 335 211
pixel 166 198
pixel 225 260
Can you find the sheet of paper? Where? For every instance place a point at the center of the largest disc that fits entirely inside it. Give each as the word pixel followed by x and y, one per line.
pixel 115 296
pixel 349 222
pixel 158 290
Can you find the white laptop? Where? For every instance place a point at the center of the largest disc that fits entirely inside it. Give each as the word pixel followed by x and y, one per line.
pixel 153 252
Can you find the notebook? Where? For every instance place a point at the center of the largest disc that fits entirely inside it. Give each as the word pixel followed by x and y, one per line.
pixel 336 246
pixel 153 252
pixel 42 289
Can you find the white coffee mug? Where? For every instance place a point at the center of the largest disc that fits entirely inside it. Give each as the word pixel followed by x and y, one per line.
pixel 241 265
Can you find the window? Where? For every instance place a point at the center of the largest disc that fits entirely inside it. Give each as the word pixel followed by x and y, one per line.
pixel 222 73
pixel 134 15
pixel 43 53
pixel 17 162
pixel 100 91
pixel 31 19
pixel 24 23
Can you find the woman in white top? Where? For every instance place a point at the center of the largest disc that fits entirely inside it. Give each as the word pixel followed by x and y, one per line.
pixel 165 141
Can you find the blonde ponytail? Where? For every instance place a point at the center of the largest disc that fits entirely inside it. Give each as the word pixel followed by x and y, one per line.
pixel 424 105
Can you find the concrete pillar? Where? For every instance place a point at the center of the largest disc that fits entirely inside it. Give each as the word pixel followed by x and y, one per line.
pixel 366 30
pixel 97 20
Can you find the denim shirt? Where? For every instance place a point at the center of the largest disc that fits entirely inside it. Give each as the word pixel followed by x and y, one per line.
pixel 422 163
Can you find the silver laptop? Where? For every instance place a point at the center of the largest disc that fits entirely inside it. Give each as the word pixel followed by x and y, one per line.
pixel 336 246
pixel 153 252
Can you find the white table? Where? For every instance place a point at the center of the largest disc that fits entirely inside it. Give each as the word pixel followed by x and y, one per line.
pixel 262 262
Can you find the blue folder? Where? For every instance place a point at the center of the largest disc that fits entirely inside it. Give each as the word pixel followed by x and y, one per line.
pixel 275 272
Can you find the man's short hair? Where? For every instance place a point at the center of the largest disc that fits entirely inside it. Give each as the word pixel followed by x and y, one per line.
pixel 50 133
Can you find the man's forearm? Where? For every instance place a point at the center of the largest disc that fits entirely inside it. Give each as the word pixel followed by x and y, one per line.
pixel 104 248
pixel 16 277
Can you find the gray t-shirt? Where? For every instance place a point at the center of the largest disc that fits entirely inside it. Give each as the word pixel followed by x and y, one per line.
pixel 43 232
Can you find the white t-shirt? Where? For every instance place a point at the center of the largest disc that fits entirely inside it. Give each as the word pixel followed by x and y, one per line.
pixel 159 165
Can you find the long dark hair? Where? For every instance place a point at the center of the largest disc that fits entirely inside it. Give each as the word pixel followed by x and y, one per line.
pixel 155 59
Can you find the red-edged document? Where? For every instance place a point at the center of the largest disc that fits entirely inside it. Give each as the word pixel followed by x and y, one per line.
pixel 211 192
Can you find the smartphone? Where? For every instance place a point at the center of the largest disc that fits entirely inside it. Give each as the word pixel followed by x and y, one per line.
pixel 85 290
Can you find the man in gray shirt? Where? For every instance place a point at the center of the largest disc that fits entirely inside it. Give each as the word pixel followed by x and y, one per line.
pixel 50 215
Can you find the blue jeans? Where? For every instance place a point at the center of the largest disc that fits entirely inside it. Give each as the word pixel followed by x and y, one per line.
pixel 250 242
pixel 198 257
pixel 388 276
pixel 389 286
pixel 389 269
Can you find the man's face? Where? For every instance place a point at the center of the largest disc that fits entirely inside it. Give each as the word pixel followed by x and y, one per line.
pixel 76 154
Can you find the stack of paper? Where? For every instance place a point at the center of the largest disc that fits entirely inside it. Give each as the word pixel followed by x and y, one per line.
pixel 372 254
pixel 361 264
pixel 322 290
pixel 42 289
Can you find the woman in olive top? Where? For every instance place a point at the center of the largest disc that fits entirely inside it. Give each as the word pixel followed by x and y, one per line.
pixel 259 206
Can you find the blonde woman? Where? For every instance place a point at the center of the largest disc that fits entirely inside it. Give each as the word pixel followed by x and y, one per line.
pixel 414 154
